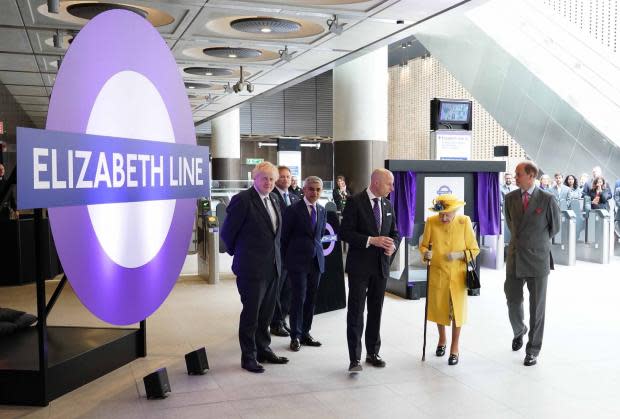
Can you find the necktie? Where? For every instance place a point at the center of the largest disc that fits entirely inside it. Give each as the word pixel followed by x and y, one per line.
pixel 313 216
pixel 377 213
pixel 526 200
pixel 287 201
pixel 271 214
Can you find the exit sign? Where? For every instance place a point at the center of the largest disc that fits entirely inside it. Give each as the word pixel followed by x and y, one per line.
pixel 1 127
pixel 254 161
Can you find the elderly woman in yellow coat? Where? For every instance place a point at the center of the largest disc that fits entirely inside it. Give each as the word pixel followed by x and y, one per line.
pixel 453 243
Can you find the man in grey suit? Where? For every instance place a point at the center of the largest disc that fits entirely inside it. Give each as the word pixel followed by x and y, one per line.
pixel 560 191
pixel 533 217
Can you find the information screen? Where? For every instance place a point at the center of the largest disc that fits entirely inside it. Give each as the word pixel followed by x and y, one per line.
pixel 454 112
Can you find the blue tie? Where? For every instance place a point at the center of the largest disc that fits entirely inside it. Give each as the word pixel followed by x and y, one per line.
pixel 377 212
pixel 313 216
pixel 287 201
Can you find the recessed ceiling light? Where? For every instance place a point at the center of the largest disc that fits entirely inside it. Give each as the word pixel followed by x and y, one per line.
pixel 265 30
pixel 208 73
pixel 191 87
pixel 232 55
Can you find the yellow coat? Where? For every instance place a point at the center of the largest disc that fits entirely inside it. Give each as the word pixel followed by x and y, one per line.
pixel 447 278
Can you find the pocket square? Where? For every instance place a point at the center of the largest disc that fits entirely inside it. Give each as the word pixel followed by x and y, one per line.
pixel 538 210
pixel 388 214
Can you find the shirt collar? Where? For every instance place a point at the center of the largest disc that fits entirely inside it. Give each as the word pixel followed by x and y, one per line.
pixel 309 204
pixel 262 197
pixel 529 191
pixel 282 191
pixel 372 195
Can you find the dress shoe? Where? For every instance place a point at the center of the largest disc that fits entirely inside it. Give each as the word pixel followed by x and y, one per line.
pixel 253 366
pixel 295 345
pixel 286 327
pixel 441 350
pixel 529 360
pixel 517 343
pixel 272 358
pixel 355 366
pixel 453 359
pixel 375 360
pixel 309 341
pixel 279 331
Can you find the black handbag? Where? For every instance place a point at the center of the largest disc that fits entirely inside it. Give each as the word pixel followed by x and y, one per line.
pixel 471 277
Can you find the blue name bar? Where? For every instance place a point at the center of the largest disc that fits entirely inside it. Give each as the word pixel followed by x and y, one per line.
pixel 60 169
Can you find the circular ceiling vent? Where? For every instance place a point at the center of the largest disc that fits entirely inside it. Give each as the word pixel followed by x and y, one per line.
pixel 228 52
pixel 191 85
pixel 90 10
pixel 265 25
pixel 208 71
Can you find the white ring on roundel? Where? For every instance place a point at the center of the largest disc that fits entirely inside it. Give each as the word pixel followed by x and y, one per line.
pixel 130 106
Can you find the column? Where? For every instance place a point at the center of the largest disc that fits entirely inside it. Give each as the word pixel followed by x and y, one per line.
pixel 360 117
pixel 226 146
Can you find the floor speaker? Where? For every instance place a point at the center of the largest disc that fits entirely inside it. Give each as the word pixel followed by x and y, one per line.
pixel 197 362
pixel 156 384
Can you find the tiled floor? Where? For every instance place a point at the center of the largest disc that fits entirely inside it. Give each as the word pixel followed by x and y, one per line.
pixel 578 375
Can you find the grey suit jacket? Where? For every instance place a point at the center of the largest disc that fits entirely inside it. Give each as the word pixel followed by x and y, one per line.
pixel 530 242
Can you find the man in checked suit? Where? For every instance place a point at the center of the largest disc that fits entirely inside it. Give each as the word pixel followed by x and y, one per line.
pixel 533 217
pixel 283 291
pixel 369 226
pixel 251 233
pixel 302 254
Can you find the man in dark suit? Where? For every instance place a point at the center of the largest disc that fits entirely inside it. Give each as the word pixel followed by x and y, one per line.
pixel 533 217
pixel 251 233
pixel 283 290
pixel 369 226
pixel 302 253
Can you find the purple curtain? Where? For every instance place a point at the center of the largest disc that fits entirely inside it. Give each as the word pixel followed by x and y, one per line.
pixel 403 199
pixel 488 200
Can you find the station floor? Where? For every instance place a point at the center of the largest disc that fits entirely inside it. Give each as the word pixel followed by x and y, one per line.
pixel 578 375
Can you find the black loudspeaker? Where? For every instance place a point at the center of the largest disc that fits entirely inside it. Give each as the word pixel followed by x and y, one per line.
pixel 197 362
pixel 500 151
pixel 156 384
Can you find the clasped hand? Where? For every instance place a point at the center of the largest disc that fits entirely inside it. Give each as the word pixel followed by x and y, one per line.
pixel 384 242
pixel 428 255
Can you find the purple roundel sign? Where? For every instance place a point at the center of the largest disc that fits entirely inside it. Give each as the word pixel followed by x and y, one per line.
pixel 119 79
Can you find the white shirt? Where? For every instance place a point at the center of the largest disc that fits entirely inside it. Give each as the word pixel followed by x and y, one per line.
pixel 309 207
pixel 372 196
pixel 270 209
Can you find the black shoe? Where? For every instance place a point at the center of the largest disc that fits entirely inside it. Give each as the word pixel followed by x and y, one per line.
pixel 441 350
pixel 309 341
pixel 454 359
pixel 375 360
pixel 517 343
pixel 279 331
pixel 529 360
pixel 295 345
pixel 253 366
pixel 272 358
pixel 355 366
pixel 286 327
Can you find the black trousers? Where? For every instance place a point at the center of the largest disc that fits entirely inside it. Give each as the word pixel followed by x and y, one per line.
pixel 362 288
pixel 283 300
pixel 304 287
pixel 258 299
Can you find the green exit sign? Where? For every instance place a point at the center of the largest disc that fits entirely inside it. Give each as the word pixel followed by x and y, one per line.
pixel 254 161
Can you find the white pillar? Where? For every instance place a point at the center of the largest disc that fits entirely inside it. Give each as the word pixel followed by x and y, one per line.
pixel 226 146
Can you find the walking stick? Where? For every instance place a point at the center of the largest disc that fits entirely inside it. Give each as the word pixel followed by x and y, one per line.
pixel 428 277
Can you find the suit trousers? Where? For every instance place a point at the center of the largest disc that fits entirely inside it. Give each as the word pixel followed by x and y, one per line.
pixel 362 288
pixel 283 300
pixel 258 299
pixel 304 287
pixel 537 287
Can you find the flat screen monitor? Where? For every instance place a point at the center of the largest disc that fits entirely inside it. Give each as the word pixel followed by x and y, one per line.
pixel 454 112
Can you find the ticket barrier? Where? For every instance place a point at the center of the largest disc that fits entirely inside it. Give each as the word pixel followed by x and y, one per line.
pixel 208 238
pixel 564 244
pixel 595 245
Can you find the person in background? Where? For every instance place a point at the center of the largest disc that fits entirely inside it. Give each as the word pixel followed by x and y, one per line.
pixel 599 193
pixel 596 172
pixel 533 217
pixel 454 243
pixel 302 255
pixel 294 188
pixel 617 200
pixel 560 191
pixel 341 193
pixel 251 232
pixel 507 186
pixel 369 226
pixel 583 180
pixel 545 182
pixel 574 191
pixel 8 202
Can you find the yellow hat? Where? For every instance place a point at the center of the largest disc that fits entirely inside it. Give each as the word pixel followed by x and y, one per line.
pixel 446 203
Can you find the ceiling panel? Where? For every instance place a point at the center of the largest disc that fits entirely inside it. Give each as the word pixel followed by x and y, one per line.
pixel 16 77
pixel 40 108
pixel 14 40
pixel 31 100
pixel 17 62
pixel 26 90
pixel 10 14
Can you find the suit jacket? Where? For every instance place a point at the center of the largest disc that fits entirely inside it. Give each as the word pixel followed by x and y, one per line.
pixel 249 236
pixel 338 198
pixel 291 196
pixel 358 223
pixel 529 251
pixel 301 244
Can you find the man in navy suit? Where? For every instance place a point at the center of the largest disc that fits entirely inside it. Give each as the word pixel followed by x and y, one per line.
pixel 369 226
pixel 302 253
pixel 251 233
pixel 283 290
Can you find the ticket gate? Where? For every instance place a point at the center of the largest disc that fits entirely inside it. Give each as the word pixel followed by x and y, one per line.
pixel 595 246
pixel 564 244
pixel 208 243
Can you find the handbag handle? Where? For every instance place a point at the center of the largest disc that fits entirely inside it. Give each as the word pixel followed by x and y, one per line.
pixel 471 259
